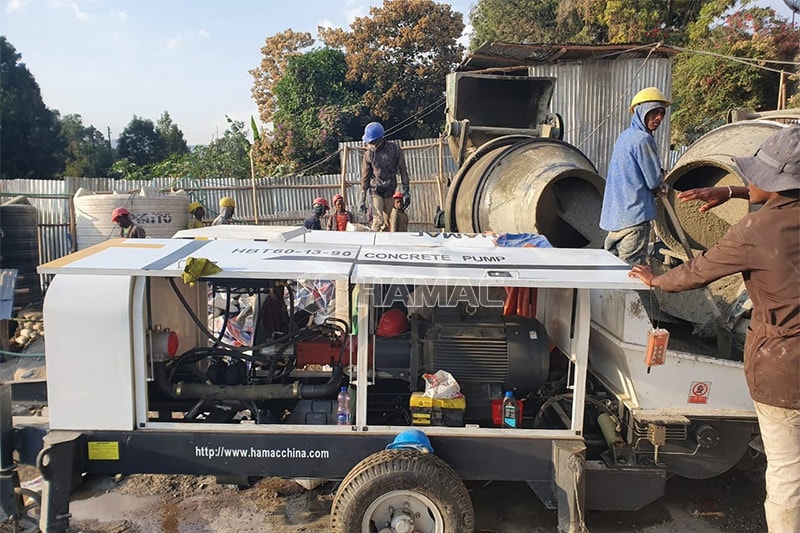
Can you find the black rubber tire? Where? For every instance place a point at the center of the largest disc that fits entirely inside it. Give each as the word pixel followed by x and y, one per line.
pixel 402 470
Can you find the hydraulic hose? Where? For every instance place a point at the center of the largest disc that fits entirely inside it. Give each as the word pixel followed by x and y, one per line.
pixel 274 391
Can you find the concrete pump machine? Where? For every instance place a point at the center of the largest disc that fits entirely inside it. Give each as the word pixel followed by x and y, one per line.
pixel 164 383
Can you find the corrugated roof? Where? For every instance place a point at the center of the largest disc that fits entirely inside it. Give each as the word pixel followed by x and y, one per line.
pixel 510 55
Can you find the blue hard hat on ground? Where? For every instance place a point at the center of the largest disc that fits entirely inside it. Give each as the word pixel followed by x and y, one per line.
pixel 373 132
pixel 411 438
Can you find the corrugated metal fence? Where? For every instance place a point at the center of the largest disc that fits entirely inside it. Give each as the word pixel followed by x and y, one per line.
pixel 593 95
pixel 274 201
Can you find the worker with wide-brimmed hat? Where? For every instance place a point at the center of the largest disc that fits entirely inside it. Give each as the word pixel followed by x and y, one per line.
pixel 196 212
pixel 634 179
pixel 127 229
pixel 764 247
pixel 227 206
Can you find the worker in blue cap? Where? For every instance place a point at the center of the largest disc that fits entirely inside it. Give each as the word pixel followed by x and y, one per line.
pixel 382 162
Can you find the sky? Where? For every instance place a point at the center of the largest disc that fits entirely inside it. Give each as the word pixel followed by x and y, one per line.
pixel 108 60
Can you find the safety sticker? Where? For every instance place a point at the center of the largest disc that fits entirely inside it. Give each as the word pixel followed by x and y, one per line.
pixel 103 451
pixel 698 393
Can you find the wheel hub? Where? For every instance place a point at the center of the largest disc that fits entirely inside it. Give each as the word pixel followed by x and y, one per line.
pixel 403 511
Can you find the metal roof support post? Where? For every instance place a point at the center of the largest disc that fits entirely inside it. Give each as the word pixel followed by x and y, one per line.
pixel 344 174
pixel 253 179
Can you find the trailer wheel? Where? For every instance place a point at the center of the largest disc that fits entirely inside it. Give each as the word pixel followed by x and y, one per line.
pixel 402 490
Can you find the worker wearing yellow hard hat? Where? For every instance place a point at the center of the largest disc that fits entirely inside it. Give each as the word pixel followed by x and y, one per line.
pixel 227 206
pixel 634 179
pixel 197 212
pixel 649 94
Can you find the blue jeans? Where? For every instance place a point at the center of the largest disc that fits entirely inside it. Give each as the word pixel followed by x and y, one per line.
pixel 629 244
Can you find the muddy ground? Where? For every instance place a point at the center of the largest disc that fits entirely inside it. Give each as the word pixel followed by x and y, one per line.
pixel 731 502
pixel 188 504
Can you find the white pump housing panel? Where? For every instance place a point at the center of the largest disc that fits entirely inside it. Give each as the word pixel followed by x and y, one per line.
pixel 89 346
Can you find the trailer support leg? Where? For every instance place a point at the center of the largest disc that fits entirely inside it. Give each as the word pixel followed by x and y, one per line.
pixel 57 462
pixel 569 459
pixel 9 478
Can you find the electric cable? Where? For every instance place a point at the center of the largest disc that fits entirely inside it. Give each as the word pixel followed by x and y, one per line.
pixel 400 126
pixel 750 62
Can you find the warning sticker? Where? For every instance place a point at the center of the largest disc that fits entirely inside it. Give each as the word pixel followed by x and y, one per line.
pixel 103 451
pixel 698 393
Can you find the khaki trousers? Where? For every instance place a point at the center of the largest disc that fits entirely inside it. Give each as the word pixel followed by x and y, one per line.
pixel 381 207
pixel 780 431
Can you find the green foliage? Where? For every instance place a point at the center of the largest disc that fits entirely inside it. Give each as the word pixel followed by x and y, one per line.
pixel 126 169
pixel 523 21
pixel 706 86
pixel 582 21
pixel 315 109
pixel 87 151
pixel 390 66
pixel 276 51
pixel 31 145
pixel 174 143
pixel 400 55
pixel 144 143
pixel 140 143
pixel 227 156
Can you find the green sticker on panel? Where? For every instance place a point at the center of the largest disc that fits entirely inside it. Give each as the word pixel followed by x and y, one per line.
pixel 103 451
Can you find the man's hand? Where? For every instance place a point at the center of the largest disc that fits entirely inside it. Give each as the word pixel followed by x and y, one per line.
pixel 363 206
pixel 661 190
pixel 712 196
pixel 642 272
pixel 406 200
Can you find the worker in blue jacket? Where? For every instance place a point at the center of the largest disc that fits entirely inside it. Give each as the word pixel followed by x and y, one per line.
pixel 634 180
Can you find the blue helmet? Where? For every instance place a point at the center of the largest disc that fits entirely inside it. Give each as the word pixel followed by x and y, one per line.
pixel 373 132
pixel 411 438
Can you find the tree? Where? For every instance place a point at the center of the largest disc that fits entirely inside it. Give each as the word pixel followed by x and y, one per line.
pixel 174 143
pixel 276 51
pixel 523 21
pixel 706 86
pixel 87 154
pixel 401 54
pixel 227 156
pixel 316 107
pixel 140 143
pixel 582 21
pixel 31 145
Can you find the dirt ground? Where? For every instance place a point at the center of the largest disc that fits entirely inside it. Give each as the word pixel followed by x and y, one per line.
pixel 189 504
pixel 731 502
pixel 197 504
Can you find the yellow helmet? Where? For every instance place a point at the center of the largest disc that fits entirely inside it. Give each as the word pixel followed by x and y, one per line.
pixel 649 94
pixel 194 205
pixel 227 201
